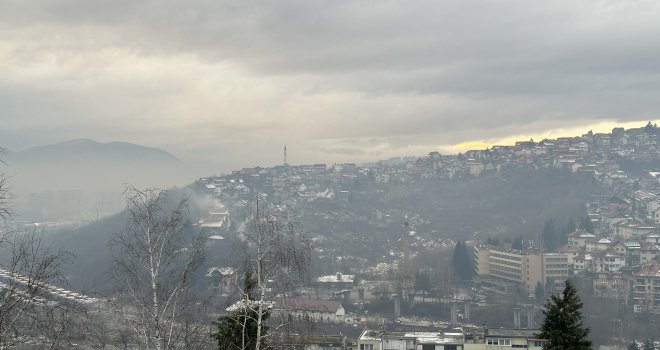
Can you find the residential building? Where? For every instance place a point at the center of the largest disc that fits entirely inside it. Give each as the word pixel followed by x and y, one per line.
pixel 607 261
pixel 319 311
pixel 522 268
pixel 500 339
pixel 646 289
pixel 450 339
pixel 222 280
pixel 611 284
pixel 578 238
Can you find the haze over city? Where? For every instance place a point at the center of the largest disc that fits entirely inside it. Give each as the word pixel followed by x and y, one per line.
pixel 223 85
pixel 330 175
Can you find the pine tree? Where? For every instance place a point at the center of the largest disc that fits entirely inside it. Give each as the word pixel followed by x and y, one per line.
pixel 570 228
pixel 562 328
pixel 550 237
pixel 462 262
pixel 648 344
pixel 539 292
pixel 238 329
pixel 518 243
pixel 587 225
pixel 633 345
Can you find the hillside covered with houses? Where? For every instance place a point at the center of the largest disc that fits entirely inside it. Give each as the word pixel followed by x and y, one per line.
pixel 533 215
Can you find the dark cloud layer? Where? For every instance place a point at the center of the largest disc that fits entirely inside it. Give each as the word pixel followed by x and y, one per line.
pixel 228 82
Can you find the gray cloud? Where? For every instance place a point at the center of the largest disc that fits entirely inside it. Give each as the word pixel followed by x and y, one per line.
pixel 230 82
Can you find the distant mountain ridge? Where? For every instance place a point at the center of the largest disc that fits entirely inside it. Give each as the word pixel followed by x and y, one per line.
pixel 92 166
pixel 90 151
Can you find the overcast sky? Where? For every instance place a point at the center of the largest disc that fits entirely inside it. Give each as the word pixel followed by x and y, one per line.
pixel 231 82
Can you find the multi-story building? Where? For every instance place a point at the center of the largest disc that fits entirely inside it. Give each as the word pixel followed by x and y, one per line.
pixel 499 339
pixel 607 261
pixel 646 289
pixel 611 284
pixel 578 238
pixel 525 269
pixel 555 269
pixel 379 340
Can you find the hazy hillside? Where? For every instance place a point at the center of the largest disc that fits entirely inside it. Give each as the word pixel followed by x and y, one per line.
pixel 84 177
pixel 502 205
pixel 92 153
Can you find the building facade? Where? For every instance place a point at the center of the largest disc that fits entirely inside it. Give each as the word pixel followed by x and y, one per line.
pixel 646 290
pixel 523 268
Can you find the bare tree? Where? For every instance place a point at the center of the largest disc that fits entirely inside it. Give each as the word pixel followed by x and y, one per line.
pixel 277 256
pixel 28 270
pixel 6 196
pixel 153 265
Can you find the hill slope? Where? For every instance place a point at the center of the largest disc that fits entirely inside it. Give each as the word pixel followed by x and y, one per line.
pixel 84 168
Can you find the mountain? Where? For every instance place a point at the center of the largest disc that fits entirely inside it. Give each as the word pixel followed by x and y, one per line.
pixel 86 168
pixel 92 152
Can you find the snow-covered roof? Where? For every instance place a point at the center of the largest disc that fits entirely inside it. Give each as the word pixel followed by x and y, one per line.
pixel 337 278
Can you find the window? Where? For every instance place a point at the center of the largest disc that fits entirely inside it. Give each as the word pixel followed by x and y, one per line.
pixel 428 347
pixel 366 347
pixel 499 342
pixel 450 347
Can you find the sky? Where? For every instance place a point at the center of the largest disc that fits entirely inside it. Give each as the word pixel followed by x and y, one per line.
pixel 226 84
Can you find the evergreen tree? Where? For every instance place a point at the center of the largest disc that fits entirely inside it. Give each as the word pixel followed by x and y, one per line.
pixel 648 344
pixel 649 129
pixel 587 225
pixel 539 292
pixel 462 262
pixel 422 283
pixel 518 243
pixel 562 328
pixel 633 345
pixel 570 228
pixel 238 329
pixel 550 237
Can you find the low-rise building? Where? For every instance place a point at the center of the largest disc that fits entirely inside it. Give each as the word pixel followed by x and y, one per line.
pixel 499 338
pixel 450 339
pixel 318 311
pixel 221 280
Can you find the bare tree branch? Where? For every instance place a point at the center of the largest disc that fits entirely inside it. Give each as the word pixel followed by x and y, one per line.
pixel 153 267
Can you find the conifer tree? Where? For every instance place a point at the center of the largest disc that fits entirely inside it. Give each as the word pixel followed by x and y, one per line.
pixel 518 243
pixel 539 292
pixel 649 344
pixel 462 262
pixel 570 228
pixel 238 329
pixel 562 328
pixel 587 225
pixel 550 237
pixel 633 345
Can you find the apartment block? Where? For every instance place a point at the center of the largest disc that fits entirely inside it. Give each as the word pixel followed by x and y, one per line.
pixel 524 269
pixel 646 289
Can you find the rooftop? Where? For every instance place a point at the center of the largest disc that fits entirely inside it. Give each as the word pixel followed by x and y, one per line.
pixel 508 332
